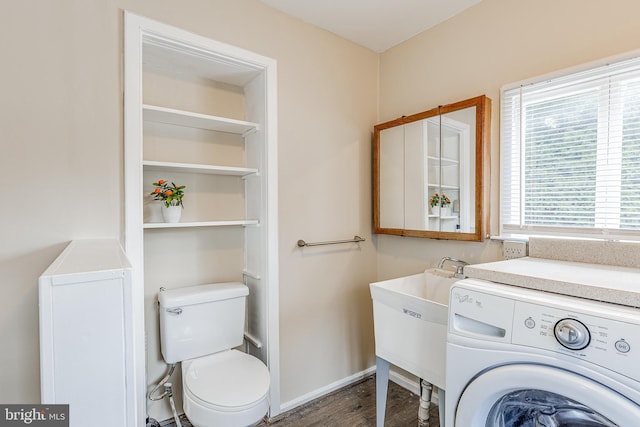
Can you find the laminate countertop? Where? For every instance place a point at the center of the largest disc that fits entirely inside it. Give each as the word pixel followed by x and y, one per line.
pixel 606 283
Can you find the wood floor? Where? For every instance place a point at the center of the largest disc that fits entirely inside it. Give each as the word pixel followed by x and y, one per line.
pixel 353 406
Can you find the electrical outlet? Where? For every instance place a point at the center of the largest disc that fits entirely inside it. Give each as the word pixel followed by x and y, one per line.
pixel 512 249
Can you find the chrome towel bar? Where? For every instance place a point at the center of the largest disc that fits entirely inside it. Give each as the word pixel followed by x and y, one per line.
pixel 356 239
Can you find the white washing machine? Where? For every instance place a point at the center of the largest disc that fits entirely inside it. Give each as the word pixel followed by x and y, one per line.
pixel 518 358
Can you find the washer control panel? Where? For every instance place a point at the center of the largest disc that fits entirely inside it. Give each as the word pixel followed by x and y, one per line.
pixel 604 334
pixel 604 341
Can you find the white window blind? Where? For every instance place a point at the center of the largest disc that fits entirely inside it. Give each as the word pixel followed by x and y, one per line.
pixel 570 154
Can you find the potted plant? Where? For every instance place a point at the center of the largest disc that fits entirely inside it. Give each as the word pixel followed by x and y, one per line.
pixel 171 196
pixel 434 203
pixel 445 204
pixel 438 202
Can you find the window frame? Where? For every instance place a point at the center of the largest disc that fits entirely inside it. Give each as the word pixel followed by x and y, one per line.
pixel 517 229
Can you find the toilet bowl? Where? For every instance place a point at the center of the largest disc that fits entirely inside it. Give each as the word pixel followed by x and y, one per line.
pixel 226 389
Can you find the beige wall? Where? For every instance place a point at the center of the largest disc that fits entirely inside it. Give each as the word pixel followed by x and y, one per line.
pixel 62 169
pixel 489 45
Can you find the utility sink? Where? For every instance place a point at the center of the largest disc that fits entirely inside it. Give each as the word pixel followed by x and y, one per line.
pixel 410 322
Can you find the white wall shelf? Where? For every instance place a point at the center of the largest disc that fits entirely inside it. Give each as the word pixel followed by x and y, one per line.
pixel 150 165
pixel 241 222
pixel 444 187
pixel 442 161
pixel 190 119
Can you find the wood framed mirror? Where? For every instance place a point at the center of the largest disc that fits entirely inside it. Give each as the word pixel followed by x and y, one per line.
pixel 431 172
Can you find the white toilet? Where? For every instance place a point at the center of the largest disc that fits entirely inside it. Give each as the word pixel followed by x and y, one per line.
pixel 200 326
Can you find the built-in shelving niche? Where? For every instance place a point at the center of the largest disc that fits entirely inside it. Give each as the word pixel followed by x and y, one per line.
pixel 203 114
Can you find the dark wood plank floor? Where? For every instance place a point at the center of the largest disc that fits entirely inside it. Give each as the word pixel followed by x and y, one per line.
pixel 352 406
pixel 355 406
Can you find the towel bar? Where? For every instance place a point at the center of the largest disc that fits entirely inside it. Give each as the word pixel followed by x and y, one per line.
pixel 356 239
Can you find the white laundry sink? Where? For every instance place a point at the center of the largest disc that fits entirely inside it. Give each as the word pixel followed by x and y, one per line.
pixel 410 322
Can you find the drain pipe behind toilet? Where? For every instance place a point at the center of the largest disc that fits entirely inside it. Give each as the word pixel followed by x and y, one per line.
pixel 425 399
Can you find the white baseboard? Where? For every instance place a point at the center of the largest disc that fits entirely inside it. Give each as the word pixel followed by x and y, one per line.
pixel 410 384
pixel 287 406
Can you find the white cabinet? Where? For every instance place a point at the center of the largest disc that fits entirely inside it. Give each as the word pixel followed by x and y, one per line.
pixel 88 342
pixel 202 114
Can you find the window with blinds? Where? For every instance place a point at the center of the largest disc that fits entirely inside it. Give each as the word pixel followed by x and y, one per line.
pixel 570 154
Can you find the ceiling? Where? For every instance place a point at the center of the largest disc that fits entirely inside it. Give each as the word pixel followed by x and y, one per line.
pixel 375 24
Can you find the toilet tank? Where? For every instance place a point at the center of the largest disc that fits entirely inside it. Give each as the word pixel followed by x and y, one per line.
pixel 200 320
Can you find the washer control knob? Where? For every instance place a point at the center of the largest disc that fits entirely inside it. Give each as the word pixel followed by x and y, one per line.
pixel 572 334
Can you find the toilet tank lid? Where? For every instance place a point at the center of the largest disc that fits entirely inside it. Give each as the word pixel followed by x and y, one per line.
pixel 200 294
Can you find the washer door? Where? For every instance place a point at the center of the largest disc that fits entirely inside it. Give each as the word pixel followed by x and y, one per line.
pixel 534 395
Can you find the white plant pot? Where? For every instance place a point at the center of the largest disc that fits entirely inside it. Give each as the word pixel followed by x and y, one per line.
pixel 171 213
pixel 445 211
pixel 435 210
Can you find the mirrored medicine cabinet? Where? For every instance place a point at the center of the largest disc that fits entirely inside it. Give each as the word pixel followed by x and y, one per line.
pixel 432 172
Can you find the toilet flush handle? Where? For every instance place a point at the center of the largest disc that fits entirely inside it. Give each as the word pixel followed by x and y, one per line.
pixel 177 311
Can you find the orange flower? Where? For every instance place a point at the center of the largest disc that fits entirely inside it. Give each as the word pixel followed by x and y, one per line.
pixel 171 195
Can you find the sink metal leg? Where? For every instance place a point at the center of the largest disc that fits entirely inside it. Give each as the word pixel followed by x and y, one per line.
pixel 382 384
pixel 441 396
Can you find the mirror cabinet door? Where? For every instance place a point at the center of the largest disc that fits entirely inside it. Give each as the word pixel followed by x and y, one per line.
pixel 391 146
pixel 429 170
pixel 456 167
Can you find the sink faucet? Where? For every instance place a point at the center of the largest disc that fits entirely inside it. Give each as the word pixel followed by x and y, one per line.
pixel 459 269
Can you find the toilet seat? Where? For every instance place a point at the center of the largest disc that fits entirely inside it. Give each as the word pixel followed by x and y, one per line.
pixel 228 381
